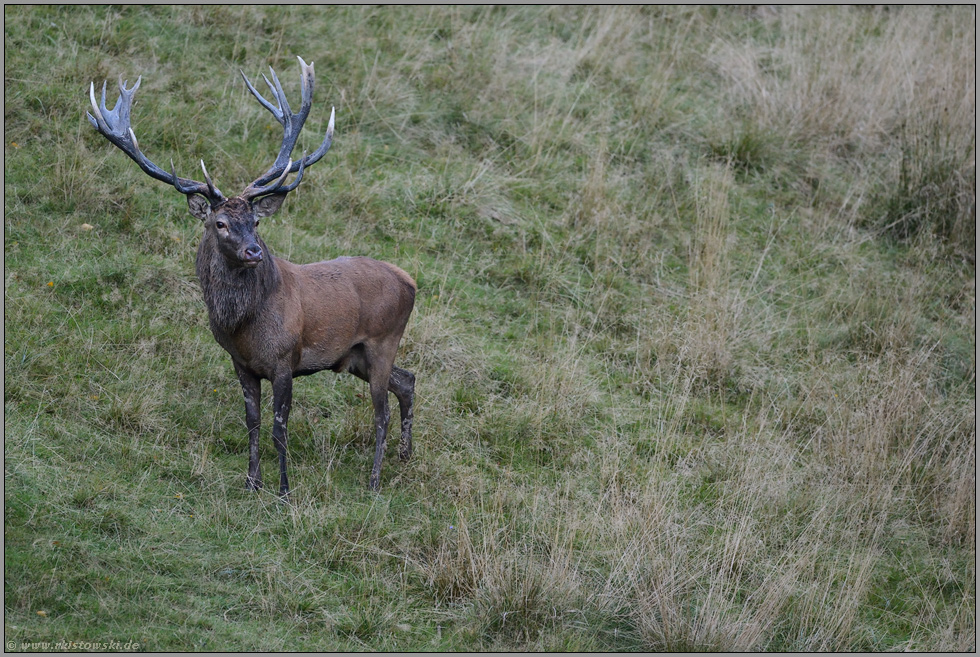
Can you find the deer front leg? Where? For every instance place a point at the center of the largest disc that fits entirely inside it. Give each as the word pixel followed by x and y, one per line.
pixel 251 388
pixel 282 398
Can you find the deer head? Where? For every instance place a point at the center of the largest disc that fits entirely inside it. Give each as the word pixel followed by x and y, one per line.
pixel 230 222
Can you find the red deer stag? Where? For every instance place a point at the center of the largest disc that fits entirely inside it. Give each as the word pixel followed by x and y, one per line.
pixel 276 319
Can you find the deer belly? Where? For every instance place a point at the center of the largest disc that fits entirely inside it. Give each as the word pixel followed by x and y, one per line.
pixel 317 359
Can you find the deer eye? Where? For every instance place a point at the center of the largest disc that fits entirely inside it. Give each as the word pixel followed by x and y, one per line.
pixel 220 225
pixel 256 223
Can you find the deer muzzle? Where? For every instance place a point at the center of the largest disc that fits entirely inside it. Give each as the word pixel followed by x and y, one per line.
pixel 251 255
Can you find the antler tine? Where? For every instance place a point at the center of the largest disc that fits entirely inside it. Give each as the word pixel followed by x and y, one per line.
pixel 136 145
pixel 299 176
pixel 207 178
pixel 279 93
pixel 255 189
pixel 115 126
pixel 292 126
pixel 96 120
pixel 255 92
pixel 327 141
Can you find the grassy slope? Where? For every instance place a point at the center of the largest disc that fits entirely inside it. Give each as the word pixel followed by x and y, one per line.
pixel 695 334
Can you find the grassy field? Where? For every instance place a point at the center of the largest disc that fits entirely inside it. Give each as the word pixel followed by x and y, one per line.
pixel 695 334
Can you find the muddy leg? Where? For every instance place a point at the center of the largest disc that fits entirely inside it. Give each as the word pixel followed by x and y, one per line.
pixel 379 397
pixel 402 383
pixel 282 399
pixel 252 388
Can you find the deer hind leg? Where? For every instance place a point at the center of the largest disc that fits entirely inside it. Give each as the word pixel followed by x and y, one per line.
pixel 402 383
pixel 369 366
pixel 382 414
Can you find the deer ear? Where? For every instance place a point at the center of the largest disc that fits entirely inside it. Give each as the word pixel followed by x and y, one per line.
pixel 199 206
pixel 268 205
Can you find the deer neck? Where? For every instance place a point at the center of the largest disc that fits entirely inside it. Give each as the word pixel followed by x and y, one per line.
pixel 234 295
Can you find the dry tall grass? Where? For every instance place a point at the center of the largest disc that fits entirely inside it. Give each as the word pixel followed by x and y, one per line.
pixel 769 531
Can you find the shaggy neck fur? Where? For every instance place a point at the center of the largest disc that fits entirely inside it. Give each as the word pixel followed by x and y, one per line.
pixel 234 295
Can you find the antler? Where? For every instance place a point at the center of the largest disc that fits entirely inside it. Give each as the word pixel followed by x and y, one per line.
pixel 114 126
pixel 272 180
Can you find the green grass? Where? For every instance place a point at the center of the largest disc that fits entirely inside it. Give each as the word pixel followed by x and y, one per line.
pixel 695 334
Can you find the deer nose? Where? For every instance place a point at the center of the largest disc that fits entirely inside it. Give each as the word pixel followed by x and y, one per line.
pixel 253 253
